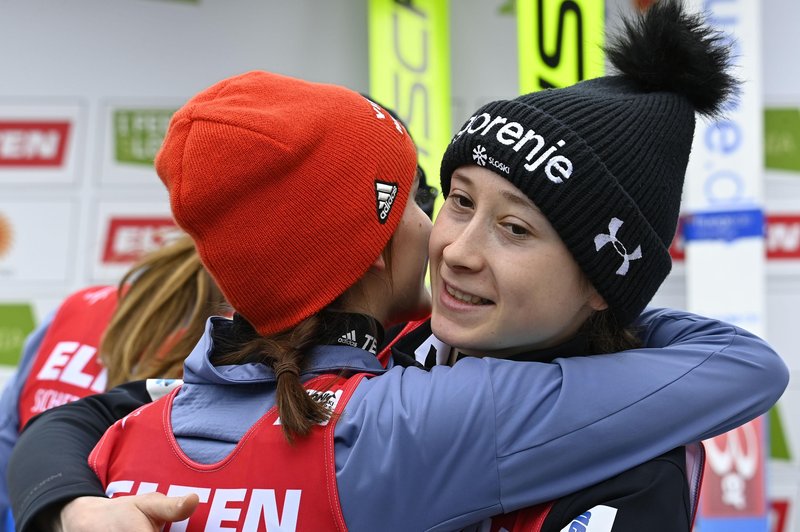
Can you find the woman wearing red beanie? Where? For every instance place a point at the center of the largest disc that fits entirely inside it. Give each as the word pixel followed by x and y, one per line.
pixel 297 197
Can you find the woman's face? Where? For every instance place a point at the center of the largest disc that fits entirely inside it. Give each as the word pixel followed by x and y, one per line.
pixel 503 281
pixel 410 299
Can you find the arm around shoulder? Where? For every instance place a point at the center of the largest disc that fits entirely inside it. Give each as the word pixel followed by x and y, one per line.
pixel 41 479
pixel 733 357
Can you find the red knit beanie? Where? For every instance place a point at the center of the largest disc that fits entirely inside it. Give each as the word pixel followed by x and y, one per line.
pixel 290 190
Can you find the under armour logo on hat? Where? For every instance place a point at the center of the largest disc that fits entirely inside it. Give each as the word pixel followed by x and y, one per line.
pixel 602 239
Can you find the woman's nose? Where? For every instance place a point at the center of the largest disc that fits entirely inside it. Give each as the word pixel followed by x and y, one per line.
pixel 466 250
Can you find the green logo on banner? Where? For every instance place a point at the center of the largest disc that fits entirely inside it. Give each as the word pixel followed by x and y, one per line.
pixel 138 134
pixel 782 139
pixel 16 322
pixel 779 447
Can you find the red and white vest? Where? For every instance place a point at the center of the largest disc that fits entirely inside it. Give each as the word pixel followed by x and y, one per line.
pixel 67 366
pixel 264 484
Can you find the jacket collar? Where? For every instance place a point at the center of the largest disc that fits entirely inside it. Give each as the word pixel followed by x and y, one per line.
pixel 422 349
pixel 342 352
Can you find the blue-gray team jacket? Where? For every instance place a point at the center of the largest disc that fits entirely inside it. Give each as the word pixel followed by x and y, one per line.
pixel 441 449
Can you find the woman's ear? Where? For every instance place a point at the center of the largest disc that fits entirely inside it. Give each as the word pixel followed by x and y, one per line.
pixel 596 301
pixel 379 264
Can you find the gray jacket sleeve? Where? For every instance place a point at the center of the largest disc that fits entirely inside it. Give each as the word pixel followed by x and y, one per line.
pixel 453 446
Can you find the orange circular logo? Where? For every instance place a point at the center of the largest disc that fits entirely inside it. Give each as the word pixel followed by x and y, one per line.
pixel 5 236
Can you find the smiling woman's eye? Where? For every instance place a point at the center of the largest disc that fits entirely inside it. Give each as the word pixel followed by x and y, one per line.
pixel 461 201
pixel 518 230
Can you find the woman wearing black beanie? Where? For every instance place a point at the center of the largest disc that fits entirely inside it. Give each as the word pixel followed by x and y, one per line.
pixel 561 206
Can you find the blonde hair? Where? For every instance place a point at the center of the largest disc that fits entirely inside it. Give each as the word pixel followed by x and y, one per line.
pixel 164 301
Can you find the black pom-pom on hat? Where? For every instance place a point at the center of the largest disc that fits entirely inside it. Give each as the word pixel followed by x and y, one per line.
pixel 605 159
pixel 667 49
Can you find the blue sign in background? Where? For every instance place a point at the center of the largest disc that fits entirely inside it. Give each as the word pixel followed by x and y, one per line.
pixel 724 225
pixel 731 525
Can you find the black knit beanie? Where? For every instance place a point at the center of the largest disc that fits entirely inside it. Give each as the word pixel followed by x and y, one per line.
pixel 605 159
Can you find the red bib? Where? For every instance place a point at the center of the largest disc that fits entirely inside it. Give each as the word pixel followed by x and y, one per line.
pixel 67 366
pixel 264 484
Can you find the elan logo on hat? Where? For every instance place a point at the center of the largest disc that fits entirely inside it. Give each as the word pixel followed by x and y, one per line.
pixel 557 167
pixel 385 194
pixel 380 114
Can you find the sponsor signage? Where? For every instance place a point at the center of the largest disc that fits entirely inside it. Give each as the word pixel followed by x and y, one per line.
pixel 782 233
pixel 6 236
pixel 129 238
pixel 138 134
pixel 725 249
pixel 560 42
pixel 782 139
pixel 783 237
pixel 409 67
pixel 733 482
pixel 132 133
pixel 778 444
pixel 126 230
pixel 16 322
pixel 37 240
pixel 33 143
pixel 40 143
pixel 724 225
pixel 779 515
pixel 244 508
pixel 724 185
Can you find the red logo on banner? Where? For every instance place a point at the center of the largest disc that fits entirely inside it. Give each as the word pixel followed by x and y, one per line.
pixel 779 514
pixel 130 238
pixel 783 239
pixel 33 143
pixel 733 482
